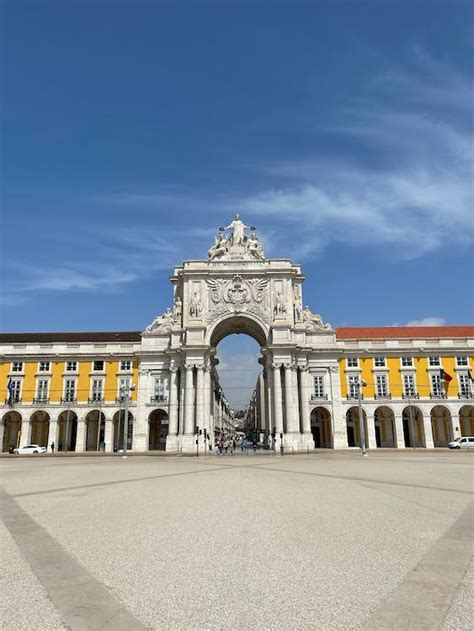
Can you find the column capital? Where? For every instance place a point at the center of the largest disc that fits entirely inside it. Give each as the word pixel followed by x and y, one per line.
pixel 276 365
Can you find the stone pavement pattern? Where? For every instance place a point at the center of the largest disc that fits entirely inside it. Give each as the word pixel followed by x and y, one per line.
pixel 320 541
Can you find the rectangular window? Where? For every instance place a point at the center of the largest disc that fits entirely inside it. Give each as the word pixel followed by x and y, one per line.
pixel 436 388
pixel 98 365
pixel 44 366
pixel 71 366
pixel 70 390
pixel 382 389
pixel 352 362
pixel 464 386
pixel 14 394
pixel 353 387
pixel 434 361
pixel 409 385
pixel 97 390
pixel 318 388
pixel 407 361
pixel 125 364
pixel 17 366
pixel 462 360
pixel 160 388
pixel 42 390
pixel 124 388
pixel 379 362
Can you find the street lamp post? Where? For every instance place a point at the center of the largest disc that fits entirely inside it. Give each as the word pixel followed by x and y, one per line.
pixel 360 385
pixel 410 414
pixel 126 391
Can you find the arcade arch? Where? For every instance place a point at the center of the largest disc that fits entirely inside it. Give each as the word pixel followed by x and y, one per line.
pixel 466 420
pixel 353 427
pixel 67 431
pixel 321 427
pixel 158 426
pixel 413 429
pixel 384 421
pixel 95 430
pixel 39 428
pixel 441 425
pixel 11 430
pixel 119 428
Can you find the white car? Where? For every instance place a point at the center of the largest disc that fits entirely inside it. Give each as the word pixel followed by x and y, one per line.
pixel 30 449
pixel 463 442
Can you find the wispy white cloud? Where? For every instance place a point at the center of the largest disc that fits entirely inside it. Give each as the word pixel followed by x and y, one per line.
pixel 430 321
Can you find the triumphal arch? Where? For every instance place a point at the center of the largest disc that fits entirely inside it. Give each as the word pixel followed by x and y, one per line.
pixel 237 290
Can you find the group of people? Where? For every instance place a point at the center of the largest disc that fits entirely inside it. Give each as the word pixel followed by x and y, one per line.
pixel 227 445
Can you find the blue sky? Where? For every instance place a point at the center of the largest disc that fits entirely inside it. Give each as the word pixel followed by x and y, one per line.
pixel 343 131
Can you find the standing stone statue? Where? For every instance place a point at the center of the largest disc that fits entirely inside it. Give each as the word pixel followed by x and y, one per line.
pixel 195 306
pixel 178 309
pixel 280 308
pixel 238 230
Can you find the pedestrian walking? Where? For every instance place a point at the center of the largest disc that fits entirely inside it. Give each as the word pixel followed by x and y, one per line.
pixel 52 447
pixel 254 445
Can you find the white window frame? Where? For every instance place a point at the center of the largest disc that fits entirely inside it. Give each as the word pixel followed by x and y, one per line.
pixel 464 363
pixel 407 361
pixel 436 386
pixel 353 385
pixel 160 388
pixel 17 366
pixel 349 361
pixel 120 383
pixel 380 361
pixel 44 365
pixel 68 368
pixel 318 387
pixel 411 379
pixel 126 368
pixel 68 390
pixel 94 369
pixel 42 394
pixel 381 385
pixel 17 387
pixel 465 386
pixel 97 394
pixel 434 361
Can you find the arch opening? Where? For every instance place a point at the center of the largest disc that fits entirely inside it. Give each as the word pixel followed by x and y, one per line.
pixel 466 420
pixel 11 430
pixel 39 428
pixel 158 427
pixel 321 428
pixel 95 430
pixel 441 426
pixel 353 427
pixel 413 429
pixel 119 429
pixel 67 431
pixel 384 422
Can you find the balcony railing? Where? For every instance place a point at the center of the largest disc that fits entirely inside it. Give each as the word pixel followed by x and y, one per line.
pixel 95 399
pixel 412 395
pixel 438 395
pixel 12 401
pixel 41 400
pixel 354 397
pixel 69 400
pixel 159 398
pixel 122 399
pixel 383 396
pixel 465 395
pixel 319 397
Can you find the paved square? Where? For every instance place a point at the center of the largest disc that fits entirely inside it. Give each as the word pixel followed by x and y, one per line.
pixel 324 541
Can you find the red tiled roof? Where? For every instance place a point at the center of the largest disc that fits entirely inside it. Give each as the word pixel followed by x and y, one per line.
pixel 73 337
pixel 394 332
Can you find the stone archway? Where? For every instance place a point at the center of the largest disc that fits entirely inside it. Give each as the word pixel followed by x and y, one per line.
pixel 441 426
pixel 67 431
pixel 39 431
pixel 11 430
pixel 384 421
pixel 466 420
pixel 353 427
pixel 413 428
pixel 236 290
pixel 158 425
pixel 119 429
pixel 95 430
pixel 321 428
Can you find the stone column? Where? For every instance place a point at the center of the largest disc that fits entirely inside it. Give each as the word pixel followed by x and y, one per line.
pixel 25 433
pixel 399 436
pixel 109 435
pixel 200 419
pixel 261 394
pixel 207 400
pixel 296 399
pixel 371 430
pixel 428 430
pixel 182 383
pixel 304 396
pixel 289 404
pixel 189 401
pixel 173 402
pixel 81 435
pixel 53 434
pixel 277 401
pixel 338 411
